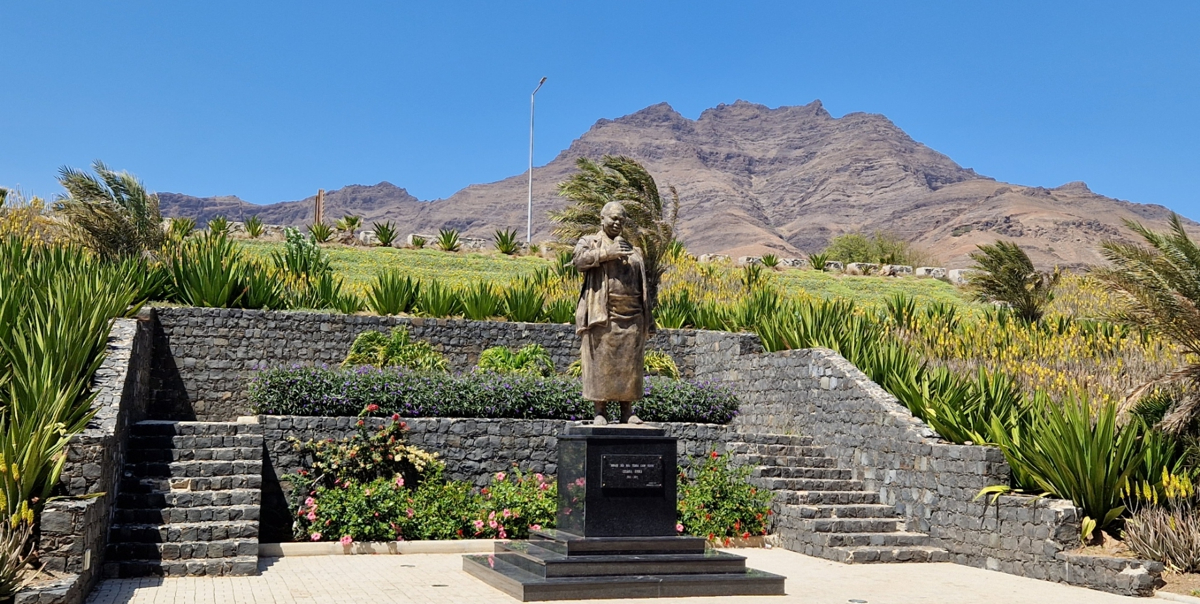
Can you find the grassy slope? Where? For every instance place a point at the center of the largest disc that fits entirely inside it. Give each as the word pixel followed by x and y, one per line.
pixel 359 265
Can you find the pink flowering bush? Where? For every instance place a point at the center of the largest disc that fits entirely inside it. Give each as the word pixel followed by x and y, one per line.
pixel 513 504
pixel 717 501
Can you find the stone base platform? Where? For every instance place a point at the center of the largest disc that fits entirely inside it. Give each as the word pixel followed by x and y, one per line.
pixel 554 565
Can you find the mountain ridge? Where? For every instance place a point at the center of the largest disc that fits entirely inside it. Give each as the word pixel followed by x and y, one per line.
pixel 753 179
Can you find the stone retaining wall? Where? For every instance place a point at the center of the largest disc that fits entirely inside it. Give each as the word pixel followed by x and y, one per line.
pixel 205 356
pixel 932 483
pixel 74 532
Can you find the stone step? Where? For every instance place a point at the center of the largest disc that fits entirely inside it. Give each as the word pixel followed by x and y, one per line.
pixel 218 441
pixel 183 550
pixel 775 450
pixel 852 525
pixel 169 515
pixel 774 439
pixel 184 532
pixel 131 484
pixel 827 497
pixel 844 511
pixel 786 461
pixel 208 454
pixel 193 469
pixel 883 555
pixel 783 472
pixel 896 539
pixel 214 567
pixel 189 499
pixel 808 484
pixel 169 428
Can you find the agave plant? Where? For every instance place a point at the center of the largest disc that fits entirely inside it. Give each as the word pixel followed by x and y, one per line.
pixel 207 270
pixel 385 232
pixel 321 232
pixel 564 265
pixel 180 228
pixel 418 242
pixel 254 227
pixel 447 240
pixel 392 294
pixel 263 287
pixel 902 309
pixel 817 261
pixel 218 225
pixel 675 312
pixel 770 261
pixel 523 302
pixel 506 242
pixel 438 300
pixel 561 310
pixel 480 301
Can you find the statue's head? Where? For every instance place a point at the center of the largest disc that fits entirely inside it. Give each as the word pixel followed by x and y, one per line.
pixel 612 218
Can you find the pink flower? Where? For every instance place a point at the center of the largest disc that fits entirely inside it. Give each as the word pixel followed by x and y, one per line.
pixel 310 502
pixel 399 481
pixel 479 524
pixel 346 540
pixel 316 536
pixel 579 482
pixel 507 513
pixel 367 492
pixel 372 407
pixel 678 527
pixel 410 512
pixel 503 535
pixel 491 515
pixel 500 475
pixel 539 477
pixel 543 487
pixel 312 516
pixel 395 417
pixel 535 527
pixel 492 523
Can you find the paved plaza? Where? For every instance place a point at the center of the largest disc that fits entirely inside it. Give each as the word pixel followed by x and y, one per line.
pixel 438 578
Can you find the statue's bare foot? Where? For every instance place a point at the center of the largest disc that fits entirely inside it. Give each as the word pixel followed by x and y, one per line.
pixel 633 419
pixel 600 421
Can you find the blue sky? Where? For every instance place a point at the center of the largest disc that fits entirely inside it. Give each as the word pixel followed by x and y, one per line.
pixel 271 101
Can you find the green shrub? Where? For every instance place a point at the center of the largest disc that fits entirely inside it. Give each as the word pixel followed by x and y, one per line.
pixel 300 258
pixel 480 302
pixel 321 232
pixel 437 300
pixel 385 232
pixel 531 359
pixel 880 248
pixel 515 503
pixel 447 240
pixel 365 456
pixel 254 227
pixel 218 225
pixel 717 501
pixel 396 350
pixel 523 303
pixel 392 295
pixel 506 242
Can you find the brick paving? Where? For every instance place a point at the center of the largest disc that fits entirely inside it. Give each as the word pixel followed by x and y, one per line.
pixel 438 578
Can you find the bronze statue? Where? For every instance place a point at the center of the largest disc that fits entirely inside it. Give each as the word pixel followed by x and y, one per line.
pixel 613 316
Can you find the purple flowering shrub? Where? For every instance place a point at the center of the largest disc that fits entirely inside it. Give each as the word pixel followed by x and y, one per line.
pixel 321 391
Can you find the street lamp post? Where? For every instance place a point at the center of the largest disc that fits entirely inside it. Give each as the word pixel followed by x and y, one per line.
pixel 529 216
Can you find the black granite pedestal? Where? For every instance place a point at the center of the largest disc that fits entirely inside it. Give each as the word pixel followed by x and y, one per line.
pixel 616 533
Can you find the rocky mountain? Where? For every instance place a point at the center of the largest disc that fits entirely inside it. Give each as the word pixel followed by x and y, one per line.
pixel 754 179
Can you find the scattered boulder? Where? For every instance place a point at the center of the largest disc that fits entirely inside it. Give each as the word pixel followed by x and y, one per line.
pixel 932 272
pixel 895 270
pixel 714 258
pixel 748 260
pixel 793 262
pixel 368 238
pixel 959 276
pixel 833 266
pixel 861 268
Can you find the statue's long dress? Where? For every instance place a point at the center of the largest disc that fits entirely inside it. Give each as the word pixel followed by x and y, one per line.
pixel 613 346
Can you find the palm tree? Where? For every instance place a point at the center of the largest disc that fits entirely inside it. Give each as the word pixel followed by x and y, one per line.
pixel 651 224
pixel 1006 274
pixel 111 212
pixel 1161 286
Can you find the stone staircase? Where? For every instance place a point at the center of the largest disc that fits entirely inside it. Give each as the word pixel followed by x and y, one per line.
pixel 821 510
pixel 189 500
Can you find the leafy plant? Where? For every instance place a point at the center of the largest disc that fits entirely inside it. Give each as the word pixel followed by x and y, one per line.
pixel 770 261
pixel 321 232
pixel 437 300
pixel 14 559
pixel 218 225
pixel 879 248
pixel 396 350
pixel 348 223
pixel 523 302
pixel 254 227
pixel 515 503
pixel 447 240
pixel 391 294
pixel 561 311
pixel 480 302
pixel 263 287
pixel 506 242
pixel 1006 274
pixel 1167 530
pixel 652 220
pixel 207 271
pixel 675 251
pixel 418 241
pixel 717 501
pixel 752 276
pixel 180 228
pixel 301 258
pixel 675 312
pixel 385 232
pixel 658 362
pixel 817 261
pixel 111 212
pixel 532 359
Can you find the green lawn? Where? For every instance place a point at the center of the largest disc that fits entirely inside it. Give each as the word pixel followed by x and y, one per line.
pixel 869 290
